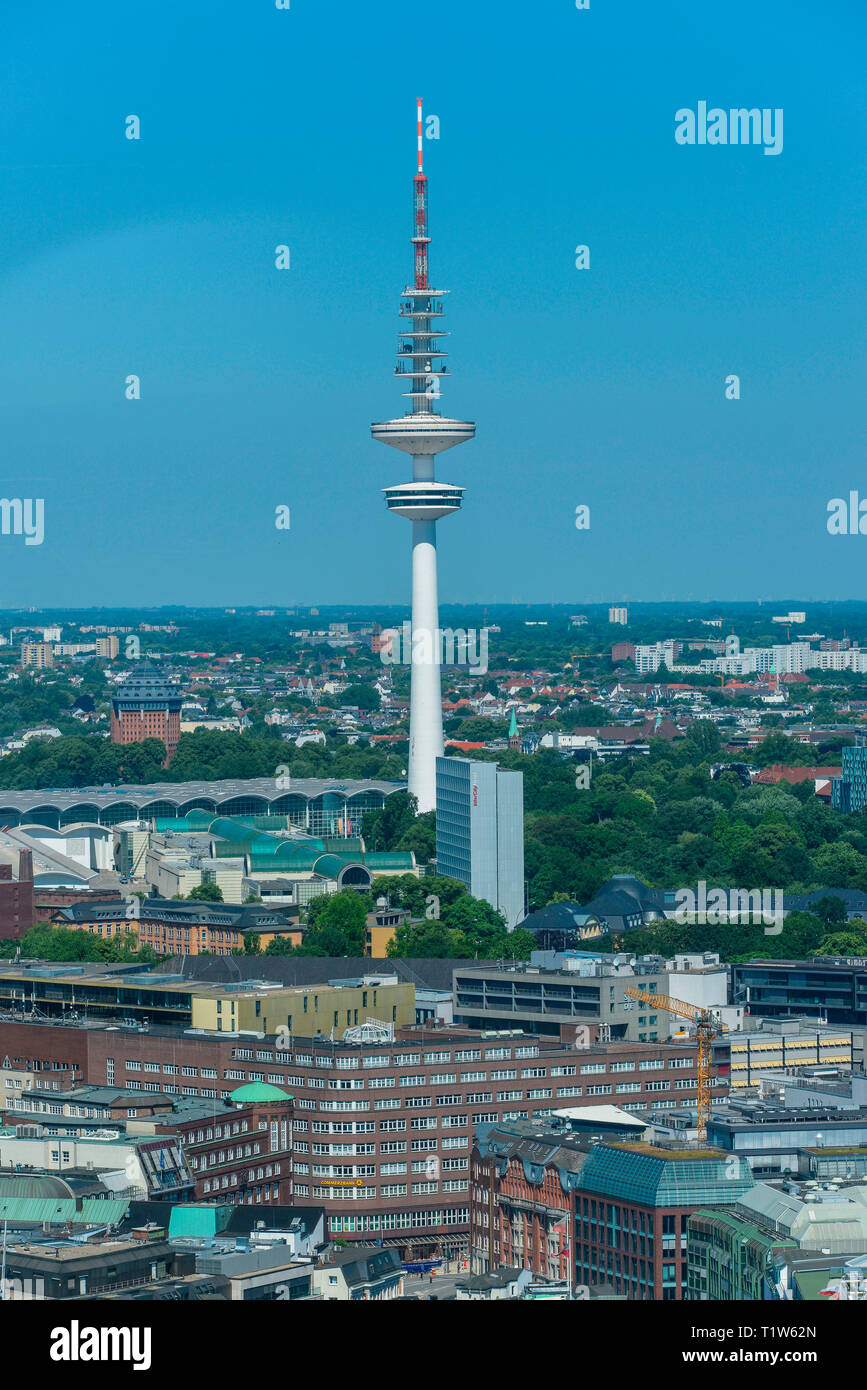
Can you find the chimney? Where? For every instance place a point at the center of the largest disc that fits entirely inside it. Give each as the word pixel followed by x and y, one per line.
pixel 25 866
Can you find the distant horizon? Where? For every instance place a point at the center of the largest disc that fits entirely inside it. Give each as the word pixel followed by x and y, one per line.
pixel 281 610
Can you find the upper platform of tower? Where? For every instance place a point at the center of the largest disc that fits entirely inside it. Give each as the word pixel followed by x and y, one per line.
pixel 421 362
pixel 423 432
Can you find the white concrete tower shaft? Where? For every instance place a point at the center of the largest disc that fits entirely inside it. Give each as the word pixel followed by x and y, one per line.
pixel 423 433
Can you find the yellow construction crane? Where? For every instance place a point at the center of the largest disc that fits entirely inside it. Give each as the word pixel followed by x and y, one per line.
pixel 706 1029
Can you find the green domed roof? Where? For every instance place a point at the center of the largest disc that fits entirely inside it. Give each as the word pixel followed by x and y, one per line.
pixel 257 1091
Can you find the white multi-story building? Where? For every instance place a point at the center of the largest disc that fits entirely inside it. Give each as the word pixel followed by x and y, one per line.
pixel 618 615
pixel 650 658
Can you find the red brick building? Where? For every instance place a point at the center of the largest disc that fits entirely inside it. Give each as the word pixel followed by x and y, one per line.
pixel 147 705
pixel 623 651
pixel 382 1132
pixel 523 1179
pixel 244 1154
pixel 16 897
pixel 632 1203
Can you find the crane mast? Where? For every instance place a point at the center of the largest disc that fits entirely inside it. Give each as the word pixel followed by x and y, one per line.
pixel 706 1029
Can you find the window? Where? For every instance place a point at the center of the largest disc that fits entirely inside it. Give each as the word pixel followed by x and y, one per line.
pixel 474 1076
pixel 530 1072
pixel 413 1081
pixel 592 1068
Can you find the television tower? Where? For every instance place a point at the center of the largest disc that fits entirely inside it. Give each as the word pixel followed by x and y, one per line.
pixel 423 433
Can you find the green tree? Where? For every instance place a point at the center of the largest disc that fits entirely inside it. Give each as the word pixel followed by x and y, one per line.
pixel 361 695
pixel 206 893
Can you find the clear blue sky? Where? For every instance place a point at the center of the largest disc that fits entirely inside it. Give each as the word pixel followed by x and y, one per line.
pixel 605 387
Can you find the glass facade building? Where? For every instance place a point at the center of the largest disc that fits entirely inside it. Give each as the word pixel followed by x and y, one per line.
pixel 849 790
pixel 480 832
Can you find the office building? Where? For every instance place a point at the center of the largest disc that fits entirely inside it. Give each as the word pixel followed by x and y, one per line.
pixel 523 1175
pixel 618 615
pixel 480 832
pixel 633 1202
pixel 730 1253
pixel 778 1140
pixel 780 1047
pixel 580 988
pixel 829 989
pixel 175 928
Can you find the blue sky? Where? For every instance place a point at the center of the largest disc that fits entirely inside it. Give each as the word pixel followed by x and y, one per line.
pixel 606 387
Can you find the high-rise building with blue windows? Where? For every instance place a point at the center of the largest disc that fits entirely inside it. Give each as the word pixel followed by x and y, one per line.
pixel 849 790
pixel 480 832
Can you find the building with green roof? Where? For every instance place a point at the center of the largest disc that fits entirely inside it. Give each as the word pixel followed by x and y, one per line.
pixel 330 862
pixel 258 1093
pixel 632 1207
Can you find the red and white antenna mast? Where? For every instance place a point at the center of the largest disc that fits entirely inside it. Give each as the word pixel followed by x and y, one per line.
pixel 420 238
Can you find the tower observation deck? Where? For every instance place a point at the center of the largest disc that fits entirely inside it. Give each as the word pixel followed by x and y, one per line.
pixel 423 432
